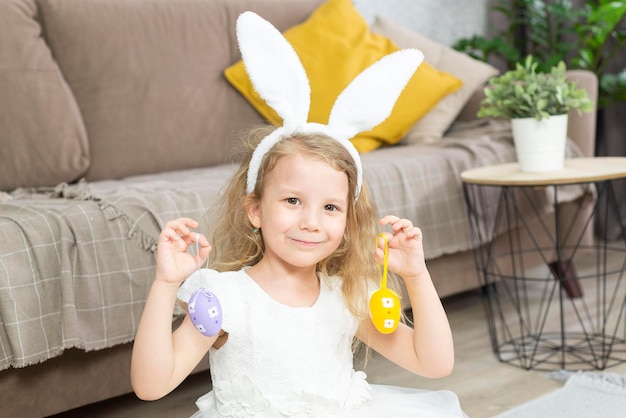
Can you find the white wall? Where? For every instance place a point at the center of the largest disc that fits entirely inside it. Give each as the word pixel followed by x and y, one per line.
pixel 444 21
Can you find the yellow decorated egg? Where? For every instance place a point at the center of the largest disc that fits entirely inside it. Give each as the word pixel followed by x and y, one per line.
pixel 385 310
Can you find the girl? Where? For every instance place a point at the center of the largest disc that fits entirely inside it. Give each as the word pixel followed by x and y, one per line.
pixel 297 260
pixel 293 243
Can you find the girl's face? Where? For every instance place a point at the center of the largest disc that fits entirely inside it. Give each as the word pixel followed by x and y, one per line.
pixel 302 212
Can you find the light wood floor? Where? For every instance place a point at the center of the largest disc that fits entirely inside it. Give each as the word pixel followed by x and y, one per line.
pixel 485 386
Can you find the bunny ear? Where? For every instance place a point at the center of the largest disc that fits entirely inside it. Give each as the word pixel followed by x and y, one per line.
pixel 280 79
pixel 274 68
pixel 370 97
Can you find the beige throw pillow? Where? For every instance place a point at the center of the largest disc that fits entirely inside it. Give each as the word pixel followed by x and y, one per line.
pixel 472 72
pixel 42 137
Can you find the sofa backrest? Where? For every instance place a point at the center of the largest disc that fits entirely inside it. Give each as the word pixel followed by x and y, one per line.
pixel 148 77
pixel 121 87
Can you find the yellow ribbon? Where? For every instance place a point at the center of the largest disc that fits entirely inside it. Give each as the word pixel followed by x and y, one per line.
pixel 383 277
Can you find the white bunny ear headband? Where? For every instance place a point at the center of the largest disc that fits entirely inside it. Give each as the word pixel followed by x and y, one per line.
pixel 280 79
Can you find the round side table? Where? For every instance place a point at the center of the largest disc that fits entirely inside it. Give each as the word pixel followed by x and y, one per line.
pixel 567 308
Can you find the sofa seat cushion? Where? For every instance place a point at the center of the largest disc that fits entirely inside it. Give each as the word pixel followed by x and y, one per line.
pixel 42 134
pixel 77 261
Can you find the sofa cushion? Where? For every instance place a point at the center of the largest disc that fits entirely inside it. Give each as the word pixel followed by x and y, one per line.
pixel 84 283
pixel 147 75
pixel 472 72
pixel 42 136
pixel 334 45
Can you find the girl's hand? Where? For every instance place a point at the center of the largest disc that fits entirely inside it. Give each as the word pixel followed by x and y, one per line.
pixel 406 253
pixel 174 263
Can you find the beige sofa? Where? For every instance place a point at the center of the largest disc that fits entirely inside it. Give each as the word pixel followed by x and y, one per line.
pixel 115 117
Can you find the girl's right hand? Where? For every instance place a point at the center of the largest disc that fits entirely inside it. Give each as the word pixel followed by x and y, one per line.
pixel 174 263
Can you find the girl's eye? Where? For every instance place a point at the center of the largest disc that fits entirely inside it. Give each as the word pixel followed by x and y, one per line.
pixel 293 200
pixel 331 208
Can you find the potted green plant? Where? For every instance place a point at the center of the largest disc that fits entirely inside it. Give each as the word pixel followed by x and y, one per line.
pixel 586 35
pixel 538 105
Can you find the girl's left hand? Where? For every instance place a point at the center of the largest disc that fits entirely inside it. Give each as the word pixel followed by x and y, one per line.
pixel 406 253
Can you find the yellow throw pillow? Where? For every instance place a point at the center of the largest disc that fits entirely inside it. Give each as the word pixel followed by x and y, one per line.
pixel 335 44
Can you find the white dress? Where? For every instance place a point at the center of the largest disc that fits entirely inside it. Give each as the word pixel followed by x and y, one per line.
pixel 282 361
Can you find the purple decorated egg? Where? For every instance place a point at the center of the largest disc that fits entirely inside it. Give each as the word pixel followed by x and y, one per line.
pixel 205 312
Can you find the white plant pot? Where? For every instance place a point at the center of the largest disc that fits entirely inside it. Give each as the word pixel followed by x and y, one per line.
pixel 540 145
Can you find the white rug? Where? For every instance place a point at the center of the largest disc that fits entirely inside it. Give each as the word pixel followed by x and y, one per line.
pixel 584 394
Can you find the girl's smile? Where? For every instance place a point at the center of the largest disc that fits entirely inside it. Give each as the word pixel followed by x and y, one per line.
pixel 305 243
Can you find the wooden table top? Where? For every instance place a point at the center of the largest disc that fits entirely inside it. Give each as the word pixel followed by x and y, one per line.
pixel 576 170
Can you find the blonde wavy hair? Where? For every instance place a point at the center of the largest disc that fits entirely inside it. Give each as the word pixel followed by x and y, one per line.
pixel 236 244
